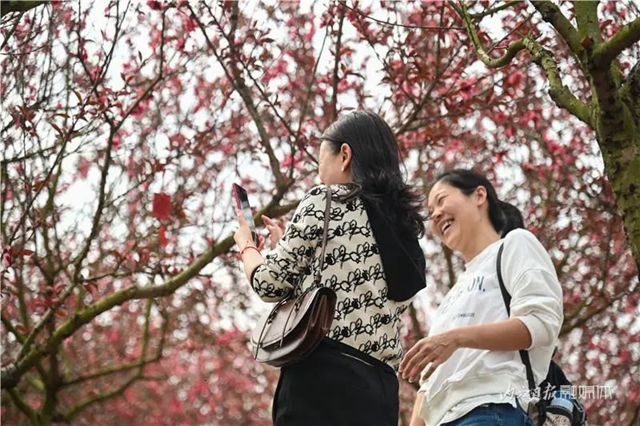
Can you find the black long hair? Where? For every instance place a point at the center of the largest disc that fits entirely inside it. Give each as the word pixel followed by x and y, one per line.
pixel 504 217
pixel 375 166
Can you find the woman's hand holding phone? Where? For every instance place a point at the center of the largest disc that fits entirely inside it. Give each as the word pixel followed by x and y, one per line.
pixel 245 216
pixel 244 235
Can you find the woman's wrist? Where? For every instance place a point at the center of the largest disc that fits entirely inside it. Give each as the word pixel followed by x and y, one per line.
pixel 249 247
pixel 458 337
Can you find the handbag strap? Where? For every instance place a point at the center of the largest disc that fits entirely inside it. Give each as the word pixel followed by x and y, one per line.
pixel 318 276
pixel 524 355
pixel 325 230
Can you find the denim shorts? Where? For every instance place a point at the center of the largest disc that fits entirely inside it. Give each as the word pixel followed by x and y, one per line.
pixel 494 415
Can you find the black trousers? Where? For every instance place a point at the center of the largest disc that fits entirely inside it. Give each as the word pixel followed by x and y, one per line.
pixel 337 385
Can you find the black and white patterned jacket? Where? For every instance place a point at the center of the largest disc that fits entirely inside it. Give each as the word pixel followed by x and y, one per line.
pixel 365 317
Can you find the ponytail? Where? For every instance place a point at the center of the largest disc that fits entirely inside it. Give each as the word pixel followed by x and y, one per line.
pixel 512 218
pixel 504 217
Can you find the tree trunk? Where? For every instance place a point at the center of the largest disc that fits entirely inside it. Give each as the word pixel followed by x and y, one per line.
pixel 8 6
pixel 618 133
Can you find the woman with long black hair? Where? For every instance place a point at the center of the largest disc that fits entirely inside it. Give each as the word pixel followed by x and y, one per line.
pixel 374 264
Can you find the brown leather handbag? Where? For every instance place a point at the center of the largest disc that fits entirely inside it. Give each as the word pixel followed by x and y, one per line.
pixel 297 324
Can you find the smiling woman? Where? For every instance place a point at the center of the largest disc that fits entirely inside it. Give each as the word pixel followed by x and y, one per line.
pixel 454 203
pixel 470 359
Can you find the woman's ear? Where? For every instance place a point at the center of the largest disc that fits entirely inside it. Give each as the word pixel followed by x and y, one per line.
pixel 480 195
pixel 345 154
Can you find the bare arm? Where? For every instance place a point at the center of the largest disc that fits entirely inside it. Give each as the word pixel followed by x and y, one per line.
pixel 251 258
pixel 415 415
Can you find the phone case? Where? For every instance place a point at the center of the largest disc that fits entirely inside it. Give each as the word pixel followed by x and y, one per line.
pixel 240 195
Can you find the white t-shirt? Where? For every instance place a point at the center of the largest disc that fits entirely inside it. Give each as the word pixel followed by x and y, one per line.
pixel 472 377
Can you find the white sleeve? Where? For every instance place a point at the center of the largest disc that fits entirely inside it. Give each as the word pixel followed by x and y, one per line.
pixel 531 280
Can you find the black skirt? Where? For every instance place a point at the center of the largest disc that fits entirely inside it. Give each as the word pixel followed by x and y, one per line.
pixel 337 385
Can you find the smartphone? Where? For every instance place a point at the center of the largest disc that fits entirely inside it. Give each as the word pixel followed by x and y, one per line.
pixel 242 201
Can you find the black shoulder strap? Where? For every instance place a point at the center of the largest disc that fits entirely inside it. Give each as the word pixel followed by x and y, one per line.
pixel 507 303
pixel 325 230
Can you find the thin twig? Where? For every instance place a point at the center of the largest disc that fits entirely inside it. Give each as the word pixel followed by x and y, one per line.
pixel 336 67
pixel 495 10
pixel 393 24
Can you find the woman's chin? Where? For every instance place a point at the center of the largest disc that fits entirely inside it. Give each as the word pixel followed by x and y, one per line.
pixel 449 242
